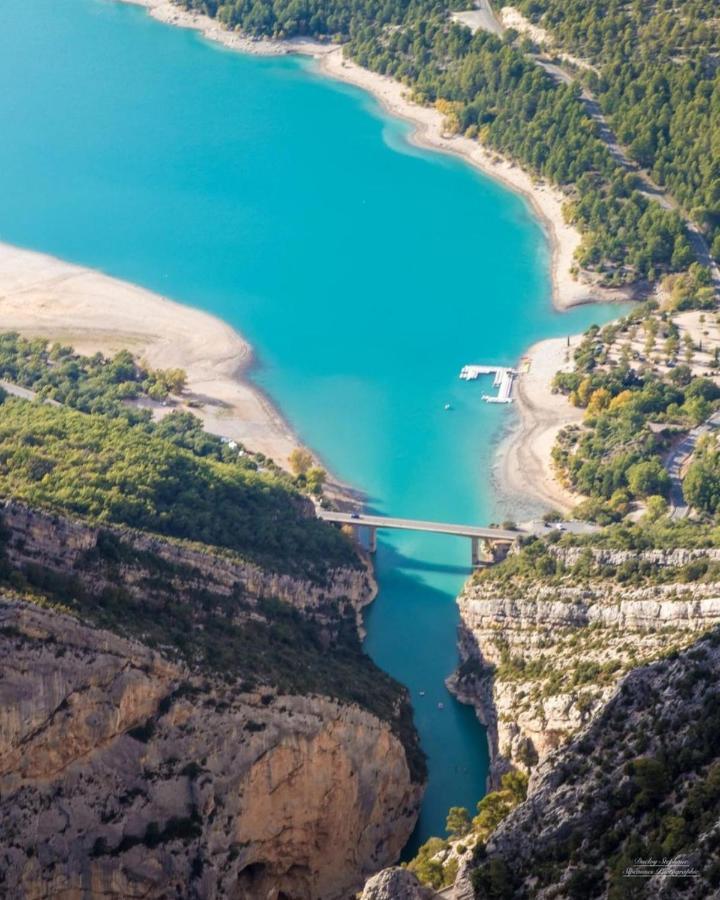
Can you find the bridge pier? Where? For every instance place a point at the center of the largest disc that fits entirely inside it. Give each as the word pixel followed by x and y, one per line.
pixel 492 551
pixel 371 536
pixel 372 539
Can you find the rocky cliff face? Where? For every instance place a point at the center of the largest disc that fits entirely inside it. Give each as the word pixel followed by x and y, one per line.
pixel 639 785
pixel 60 544
pixel 125 775
pixel 396 884
pixel 175 721
pixel 541 656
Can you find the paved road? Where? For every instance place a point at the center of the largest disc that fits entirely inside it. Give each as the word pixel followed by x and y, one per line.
pixel 17 391
pixel 676 459
pixel 482 17
pixel 542 529
pixel 24 393
pixel 417 525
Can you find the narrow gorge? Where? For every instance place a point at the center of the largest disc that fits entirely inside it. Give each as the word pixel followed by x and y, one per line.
pixel 541 655
pixel 135 760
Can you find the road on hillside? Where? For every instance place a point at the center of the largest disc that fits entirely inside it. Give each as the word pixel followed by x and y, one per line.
pixel 16 390
pixel 677 458
pixel 483 17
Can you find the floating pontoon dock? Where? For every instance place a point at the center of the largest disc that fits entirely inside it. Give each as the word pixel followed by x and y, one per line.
pixel 503 380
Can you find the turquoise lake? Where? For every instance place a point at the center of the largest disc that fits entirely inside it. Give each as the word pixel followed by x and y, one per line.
pixel 364 271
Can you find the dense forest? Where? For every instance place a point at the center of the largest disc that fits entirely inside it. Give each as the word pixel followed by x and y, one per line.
pixel 491 89
pixel 657 77
pixel 115 387
pixel 105 469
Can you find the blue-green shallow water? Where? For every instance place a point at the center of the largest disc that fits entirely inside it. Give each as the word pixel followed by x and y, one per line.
pixel 365 272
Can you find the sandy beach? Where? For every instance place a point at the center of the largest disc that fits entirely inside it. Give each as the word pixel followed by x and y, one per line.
pixel 524 465
pixel 41 296
pixel 167 12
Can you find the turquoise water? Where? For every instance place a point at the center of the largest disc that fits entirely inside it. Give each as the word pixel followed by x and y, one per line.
pixel 364 271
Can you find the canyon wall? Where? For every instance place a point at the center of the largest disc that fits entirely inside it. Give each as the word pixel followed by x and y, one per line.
pixel 629 806
pixel 124 775
pixel 176 721
pixel 115 554
pixel 540 657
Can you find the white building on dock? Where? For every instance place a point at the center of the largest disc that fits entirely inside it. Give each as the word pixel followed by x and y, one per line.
pixel 502 380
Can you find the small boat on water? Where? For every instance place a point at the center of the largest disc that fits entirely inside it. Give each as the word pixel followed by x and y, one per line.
pixel 422 693
pixel 441 706
pixel 447 406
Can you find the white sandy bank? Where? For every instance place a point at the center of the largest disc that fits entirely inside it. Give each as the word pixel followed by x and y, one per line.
pixel 524 461
pixel 40 296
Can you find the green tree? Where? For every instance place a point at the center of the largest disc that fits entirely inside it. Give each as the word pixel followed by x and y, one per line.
pixel 458 822
pixel 647 478
pixel 315 479
pixel 300 461
pixel 428 863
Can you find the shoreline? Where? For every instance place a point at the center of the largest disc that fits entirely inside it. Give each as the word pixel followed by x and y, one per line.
pixel 43 296
pixel 237 408
pixel 545 200
pixel 526 448
pixel 523 457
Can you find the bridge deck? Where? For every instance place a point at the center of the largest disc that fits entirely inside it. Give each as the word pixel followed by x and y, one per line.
pixel 498 534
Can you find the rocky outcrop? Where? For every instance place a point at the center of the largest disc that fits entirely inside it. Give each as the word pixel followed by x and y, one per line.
pixel 396 884
pixel 123 774
pixel 664 558
pixel 630 806
pixel 113 555
pixel 540 657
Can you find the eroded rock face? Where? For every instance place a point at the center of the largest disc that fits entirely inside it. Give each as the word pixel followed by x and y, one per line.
pixel 124 775
pixel 538 663
pixel 396 884
pixel 115 554
pixel 643 775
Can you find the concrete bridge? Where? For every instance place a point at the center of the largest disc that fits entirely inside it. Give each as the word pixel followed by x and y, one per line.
pixel 495 542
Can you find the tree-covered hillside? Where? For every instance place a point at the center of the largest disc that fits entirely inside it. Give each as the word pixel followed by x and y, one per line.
pixel 658 78
pixel 491 89
pixel 107 470
pixel 89 450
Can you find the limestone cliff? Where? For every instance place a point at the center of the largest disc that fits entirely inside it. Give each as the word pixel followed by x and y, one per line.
pixel 541 654
pixel 125 775
pixel 176 721
pixel 639 785
pixel 396 884
pixel 38 538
